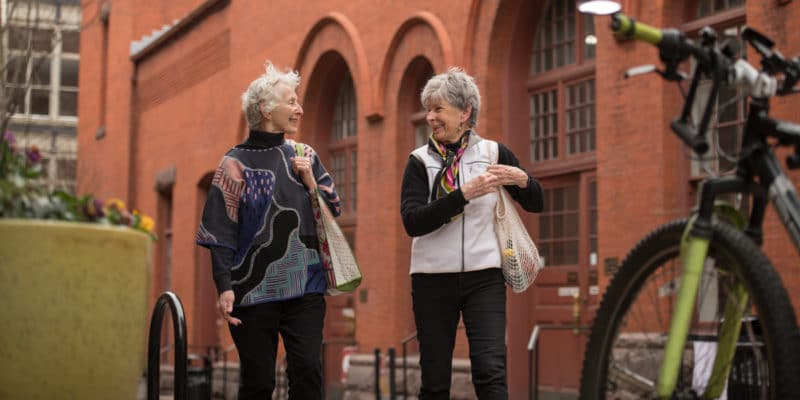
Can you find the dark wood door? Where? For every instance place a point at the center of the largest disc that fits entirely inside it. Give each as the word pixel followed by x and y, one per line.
pixel 565 292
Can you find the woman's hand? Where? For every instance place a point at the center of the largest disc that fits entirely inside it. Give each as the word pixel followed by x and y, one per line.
pixel 508 175
pixel 479 186
pixel 302 166
pixel 225 306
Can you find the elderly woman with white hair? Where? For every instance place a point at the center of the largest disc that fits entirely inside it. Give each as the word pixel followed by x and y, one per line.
pixel 260 228
pixel 448 199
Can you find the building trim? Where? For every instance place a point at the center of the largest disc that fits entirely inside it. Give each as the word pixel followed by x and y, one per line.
pixel 154 43
pixel 420 18
pixel 361 74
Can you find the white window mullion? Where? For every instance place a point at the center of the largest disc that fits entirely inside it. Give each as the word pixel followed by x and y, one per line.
pixel 27 85
pixel 55 74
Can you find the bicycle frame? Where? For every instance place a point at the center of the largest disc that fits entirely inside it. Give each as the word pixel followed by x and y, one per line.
pixel 758 160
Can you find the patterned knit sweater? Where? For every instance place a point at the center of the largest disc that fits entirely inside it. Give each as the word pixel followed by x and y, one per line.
pixel 258 222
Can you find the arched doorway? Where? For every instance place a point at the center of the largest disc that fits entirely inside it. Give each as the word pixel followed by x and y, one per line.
pixel 332 130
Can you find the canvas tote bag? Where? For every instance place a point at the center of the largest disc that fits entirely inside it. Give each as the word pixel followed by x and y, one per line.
pixel 341 269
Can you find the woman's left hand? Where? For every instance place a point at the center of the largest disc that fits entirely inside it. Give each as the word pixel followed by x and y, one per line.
pixel 508 175
pixel 302 167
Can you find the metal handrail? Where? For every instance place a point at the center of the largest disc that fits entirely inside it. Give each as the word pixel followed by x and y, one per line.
pixel 325 343
pixel 377 373
pixel 392 381
pixel 405 341
pixel 533 343
pixel 171 300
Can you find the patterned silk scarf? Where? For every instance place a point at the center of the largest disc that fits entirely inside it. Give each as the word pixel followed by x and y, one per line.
pixel 447 177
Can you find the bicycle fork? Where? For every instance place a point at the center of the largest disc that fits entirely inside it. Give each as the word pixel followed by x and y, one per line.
pixel 694 250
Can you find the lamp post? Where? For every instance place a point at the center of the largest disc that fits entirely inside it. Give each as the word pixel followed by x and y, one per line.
pixel 599 7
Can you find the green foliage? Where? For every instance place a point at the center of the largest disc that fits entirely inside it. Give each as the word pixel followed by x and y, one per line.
pixel 22 197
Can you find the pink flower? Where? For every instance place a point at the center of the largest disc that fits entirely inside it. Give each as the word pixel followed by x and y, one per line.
pixel 11 140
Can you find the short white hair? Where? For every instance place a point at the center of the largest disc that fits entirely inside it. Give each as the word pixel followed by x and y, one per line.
pixel 260 96
pixel 456 88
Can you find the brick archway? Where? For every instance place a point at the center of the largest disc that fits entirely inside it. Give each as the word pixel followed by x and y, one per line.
pixel 335 32
pixel 423 34
pixel 418 48
pixel 498 45
pixel 330 53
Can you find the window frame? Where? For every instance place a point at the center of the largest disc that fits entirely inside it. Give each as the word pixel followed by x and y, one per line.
pixel 720 21
pixel 346 146
pixel 560 79
pixel 54 88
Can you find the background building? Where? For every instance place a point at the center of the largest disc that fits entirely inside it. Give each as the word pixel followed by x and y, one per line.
pixel 41 44
pixel 162 105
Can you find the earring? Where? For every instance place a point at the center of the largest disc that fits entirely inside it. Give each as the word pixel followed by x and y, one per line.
pixel 460 126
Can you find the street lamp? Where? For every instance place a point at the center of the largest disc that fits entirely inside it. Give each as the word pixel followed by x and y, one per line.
pixel 599 7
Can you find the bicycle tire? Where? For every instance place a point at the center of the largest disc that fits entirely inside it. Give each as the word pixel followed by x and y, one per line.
pixel 768 300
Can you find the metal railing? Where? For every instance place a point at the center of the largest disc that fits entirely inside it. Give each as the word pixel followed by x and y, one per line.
pixel 167 300
pixel 225 369
pixel 323 352
pixel 533 343
pixel 404 343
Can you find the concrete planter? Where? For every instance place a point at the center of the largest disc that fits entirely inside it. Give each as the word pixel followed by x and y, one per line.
pixel 74 310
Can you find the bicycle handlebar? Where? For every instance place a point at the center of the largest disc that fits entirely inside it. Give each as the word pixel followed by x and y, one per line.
pixel 621 24
pixel 715 61
pixel 673 44
pixel 675 47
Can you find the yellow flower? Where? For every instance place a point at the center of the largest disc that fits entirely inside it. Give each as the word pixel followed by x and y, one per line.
pixel 508 253
pixel 115 203
pixel 146 223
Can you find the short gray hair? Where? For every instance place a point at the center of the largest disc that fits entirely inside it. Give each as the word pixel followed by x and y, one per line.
pixel 456 88
pixel 260 96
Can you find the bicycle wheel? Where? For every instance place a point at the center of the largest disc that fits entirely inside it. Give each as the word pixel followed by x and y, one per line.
pixel 625 347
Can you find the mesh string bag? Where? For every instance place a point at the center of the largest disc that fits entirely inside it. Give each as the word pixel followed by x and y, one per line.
pixel 520 258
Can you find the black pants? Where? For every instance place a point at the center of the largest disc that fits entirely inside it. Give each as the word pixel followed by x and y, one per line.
pixel 299 322
pixel 480 298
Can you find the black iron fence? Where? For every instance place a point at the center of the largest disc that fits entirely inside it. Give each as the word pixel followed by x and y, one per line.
pixel 193 373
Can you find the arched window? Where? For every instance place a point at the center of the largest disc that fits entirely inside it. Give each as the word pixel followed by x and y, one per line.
pixel 419 71
pixel 343 146
pixel 561 90
pixel 561 38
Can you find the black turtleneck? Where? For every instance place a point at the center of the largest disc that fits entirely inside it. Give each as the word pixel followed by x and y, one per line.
pixel 262 139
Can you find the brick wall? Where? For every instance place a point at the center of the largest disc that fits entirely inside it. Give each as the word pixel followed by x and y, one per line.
pixel 179 107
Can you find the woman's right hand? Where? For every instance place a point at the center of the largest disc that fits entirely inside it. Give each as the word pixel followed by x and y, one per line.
pixel 302 166
pixel 479 186
pixel 225 306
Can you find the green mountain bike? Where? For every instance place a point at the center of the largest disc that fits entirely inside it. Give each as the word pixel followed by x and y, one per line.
pixel 697 310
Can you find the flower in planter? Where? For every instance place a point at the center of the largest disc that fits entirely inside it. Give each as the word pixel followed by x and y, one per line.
pixel 33 155
pixel 21 196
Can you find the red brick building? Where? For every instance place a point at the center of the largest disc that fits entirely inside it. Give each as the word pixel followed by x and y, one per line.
pixel 160 103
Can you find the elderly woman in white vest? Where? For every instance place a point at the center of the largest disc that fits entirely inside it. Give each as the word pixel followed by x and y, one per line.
pixel 448 198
